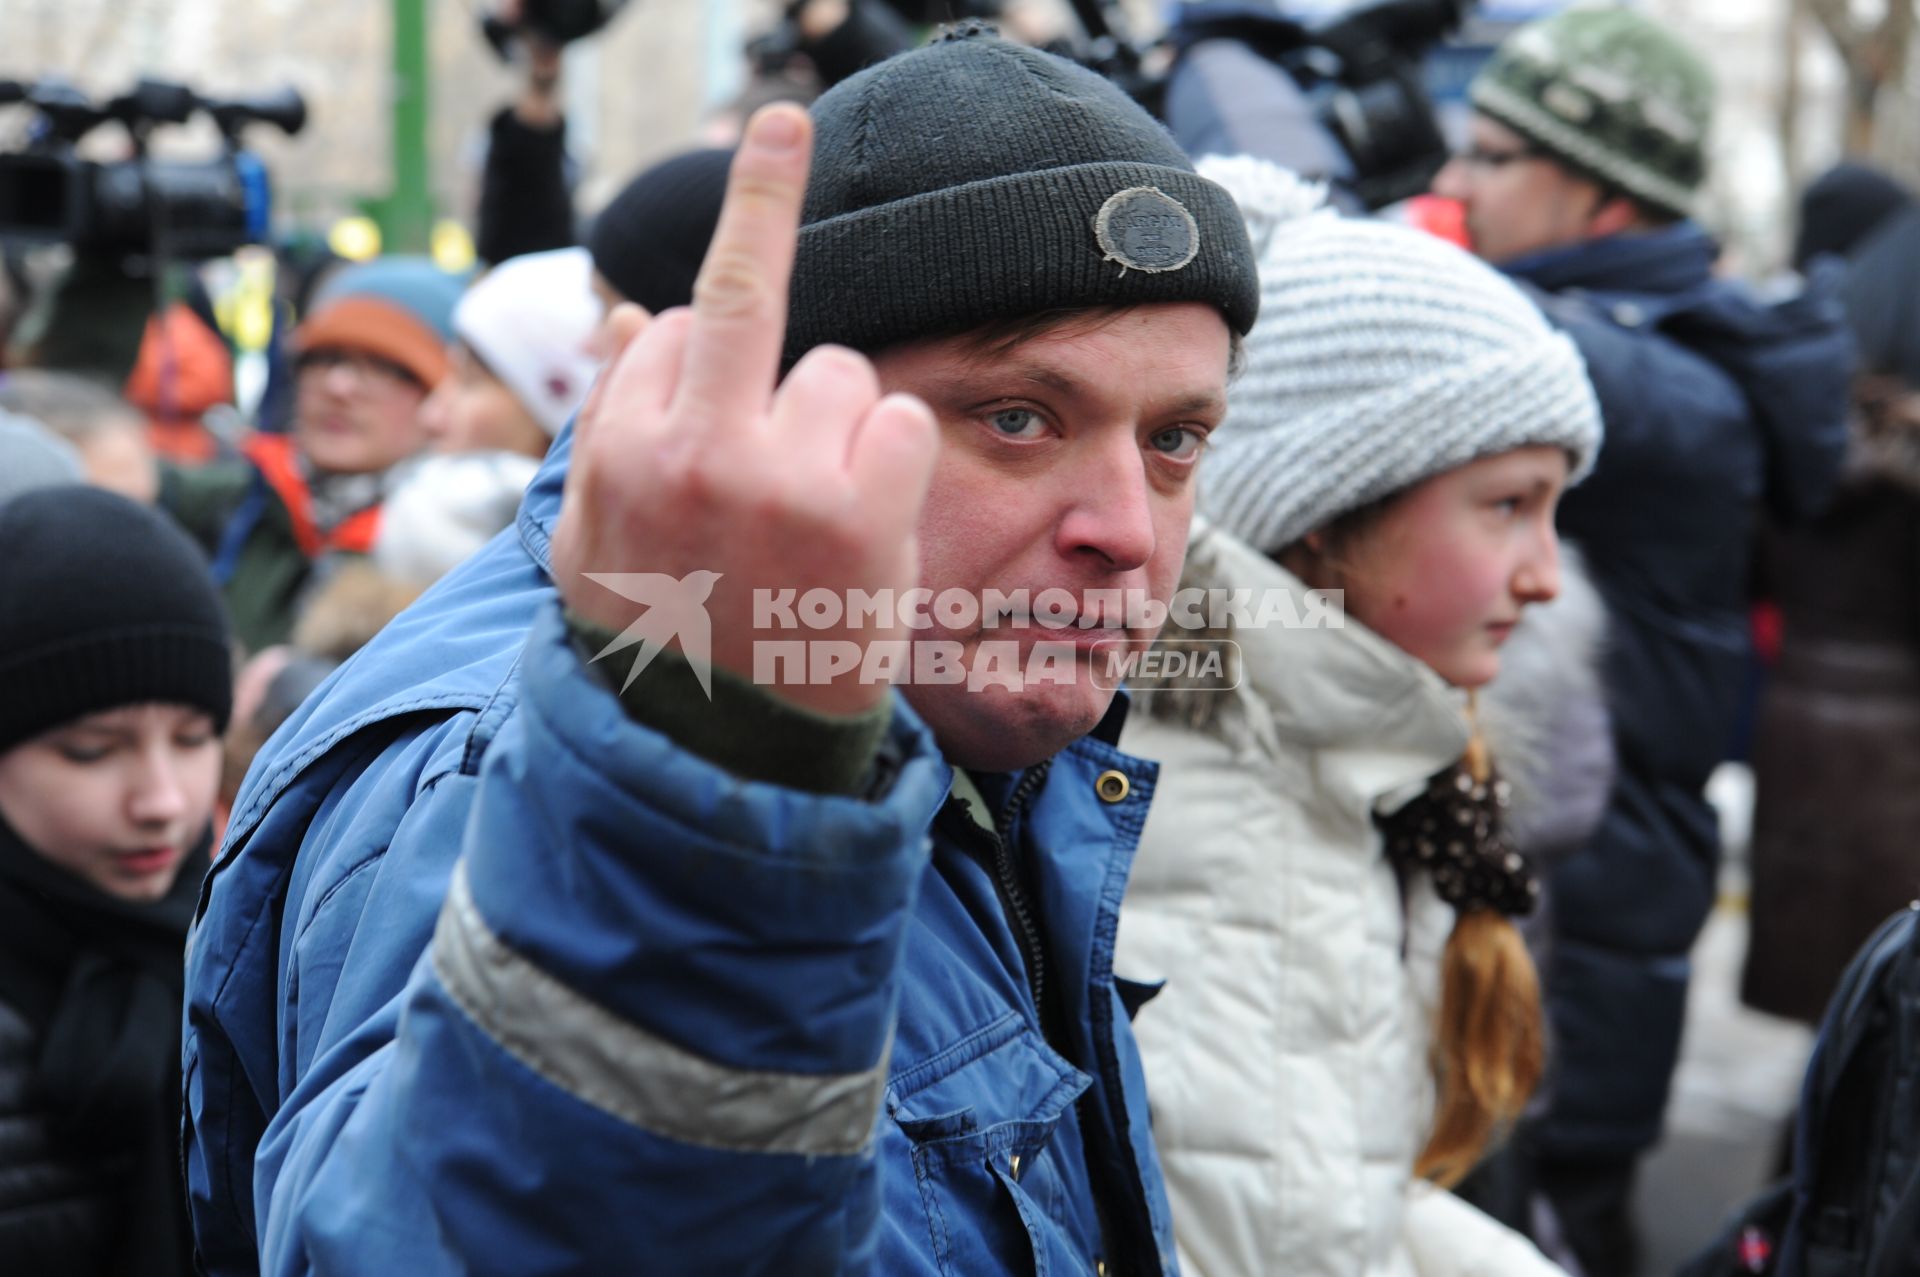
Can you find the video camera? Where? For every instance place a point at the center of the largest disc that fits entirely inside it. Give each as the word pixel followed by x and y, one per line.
pixel 558 22
pixel 1340 96
pixel 1355 76
pixel 139 207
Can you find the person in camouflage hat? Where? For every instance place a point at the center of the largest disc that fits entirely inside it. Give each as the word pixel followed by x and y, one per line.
pixel 1610 95
pixel 1586 124
pixel 1586 154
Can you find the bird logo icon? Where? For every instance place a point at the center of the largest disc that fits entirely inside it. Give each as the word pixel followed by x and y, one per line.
pixel 675 609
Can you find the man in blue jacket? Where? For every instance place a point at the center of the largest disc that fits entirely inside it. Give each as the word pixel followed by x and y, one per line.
pixel 1587 150
pixel 521 961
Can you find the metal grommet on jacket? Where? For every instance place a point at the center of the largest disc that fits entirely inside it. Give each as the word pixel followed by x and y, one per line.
pixel 1112 786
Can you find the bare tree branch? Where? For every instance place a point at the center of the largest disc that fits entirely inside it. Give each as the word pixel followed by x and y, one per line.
pixel 1896 24
pixel 1838 20
pixel 1792 25
pixel 1895 37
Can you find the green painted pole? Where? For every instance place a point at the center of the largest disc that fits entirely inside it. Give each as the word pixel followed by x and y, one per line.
pixel 406 214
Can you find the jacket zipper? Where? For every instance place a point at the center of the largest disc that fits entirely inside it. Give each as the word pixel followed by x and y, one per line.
pixel 1014 893
pixel 1013 899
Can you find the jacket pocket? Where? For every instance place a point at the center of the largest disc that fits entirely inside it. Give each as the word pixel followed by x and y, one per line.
pixel 1002 1181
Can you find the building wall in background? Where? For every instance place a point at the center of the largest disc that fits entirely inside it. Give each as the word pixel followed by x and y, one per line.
pixel 644 88
pixel 651 73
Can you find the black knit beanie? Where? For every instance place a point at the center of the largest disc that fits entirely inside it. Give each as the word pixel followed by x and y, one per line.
pixel 1842 207
pixel 648 242
pixel 977 180
pixel 103 603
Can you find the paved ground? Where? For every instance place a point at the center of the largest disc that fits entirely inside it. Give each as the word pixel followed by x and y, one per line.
pixel 1738 1079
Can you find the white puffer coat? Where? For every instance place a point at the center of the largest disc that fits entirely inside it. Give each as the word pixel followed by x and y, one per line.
pixel 1287 1056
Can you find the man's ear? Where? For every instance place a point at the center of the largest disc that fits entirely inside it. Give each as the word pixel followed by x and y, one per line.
pixel 1613 215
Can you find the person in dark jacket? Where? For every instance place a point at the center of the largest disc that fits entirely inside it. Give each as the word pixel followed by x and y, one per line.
pixel 1842 208
pixel 1587 149
pixel 519 960
pixel 115 660
pixel 1837 766
pixel 526 189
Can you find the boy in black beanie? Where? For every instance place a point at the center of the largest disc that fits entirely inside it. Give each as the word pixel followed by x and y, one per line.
pixel 115 662
pixel 727 959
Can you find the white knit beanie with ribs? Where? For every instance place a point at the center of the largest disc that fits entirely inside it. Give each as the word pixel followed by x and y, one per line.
pixel 529 319
pixel 1382 356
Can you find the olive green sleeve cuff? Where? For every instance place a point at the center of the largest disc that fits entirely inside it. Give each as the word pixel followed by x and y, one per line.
pixel 744 728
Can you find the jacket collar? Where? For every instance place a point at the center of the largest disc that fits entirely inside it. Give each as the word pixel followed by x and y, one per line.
pixel 1381 718
pixel 1674 259
pixel 540 508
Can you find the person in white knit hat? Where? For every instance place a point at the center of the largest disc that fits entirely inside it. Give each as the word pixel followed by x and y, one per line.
pixel 523 362
pixel 1325 877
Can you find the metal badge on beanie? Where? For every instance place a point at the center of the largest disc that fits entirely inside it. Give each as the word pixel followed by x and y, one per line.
pixel 1145 229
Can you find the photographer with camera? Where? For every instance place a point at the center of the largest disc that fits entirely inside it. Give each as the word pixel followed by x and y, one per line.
pixel 526 193
pixel 526 187
pixel 1338 97
pixel 132 223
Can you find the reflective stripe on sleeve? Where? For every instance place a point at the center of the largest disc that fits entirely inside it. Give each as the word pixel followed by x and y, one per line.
pixel 619 1067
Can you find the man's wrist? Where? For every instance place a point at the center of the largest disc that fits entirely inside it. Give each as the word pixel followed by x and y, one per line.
pixel 748 729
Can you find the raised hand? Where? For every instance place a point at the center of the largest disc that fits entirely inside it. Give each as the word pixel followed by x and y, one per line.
pixel 687 458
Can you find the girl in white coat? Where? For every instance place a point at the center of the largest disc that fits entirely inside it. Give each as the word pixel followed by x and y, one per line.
pixel 1350 1017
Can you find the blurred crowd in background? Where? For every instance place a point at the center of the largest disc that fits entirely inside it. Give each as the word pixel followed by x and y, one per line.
pixel 317 428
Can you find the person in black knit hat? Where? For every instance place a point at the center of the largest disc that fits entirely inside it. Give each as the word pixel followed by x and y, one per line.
pixel 648 241
pixel 681 965
pixel 114 654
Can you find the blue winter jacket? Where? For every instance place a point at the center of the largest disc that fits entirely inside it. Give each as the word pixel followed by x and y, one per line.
pixel 1719 410
pixel 489 978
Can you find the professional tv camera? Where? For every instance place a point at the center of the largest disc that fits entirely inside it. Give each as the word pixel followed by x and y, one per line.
pixel 1339 97
pixel 869 31
pixel 140 207
pixel 558 22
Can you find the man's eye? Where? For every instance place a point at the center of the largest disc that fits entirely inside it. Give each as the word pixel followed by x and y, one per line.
pixel 1015 423
pixel 83 753
pixel 1180 443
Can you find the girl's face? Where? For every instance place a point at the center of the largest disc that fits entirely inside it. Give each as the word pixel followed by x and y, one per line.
pixel 1446 569
pixel 117 798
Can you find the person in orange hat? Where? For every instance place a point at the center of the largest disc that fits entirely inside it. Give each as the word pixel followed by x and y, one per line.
pixel 373 347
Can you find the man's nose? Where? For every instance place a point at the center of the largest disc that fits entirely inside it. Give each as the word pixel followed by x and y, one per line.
pixel 342 377
pixel 1110 510
pixel 1452 181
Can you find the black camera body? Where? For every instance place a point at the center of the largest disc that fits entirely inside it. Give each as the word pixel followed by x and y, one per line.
pixel 1357 79
pixel 141 206
pixel 558 22
pixel 1362 71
